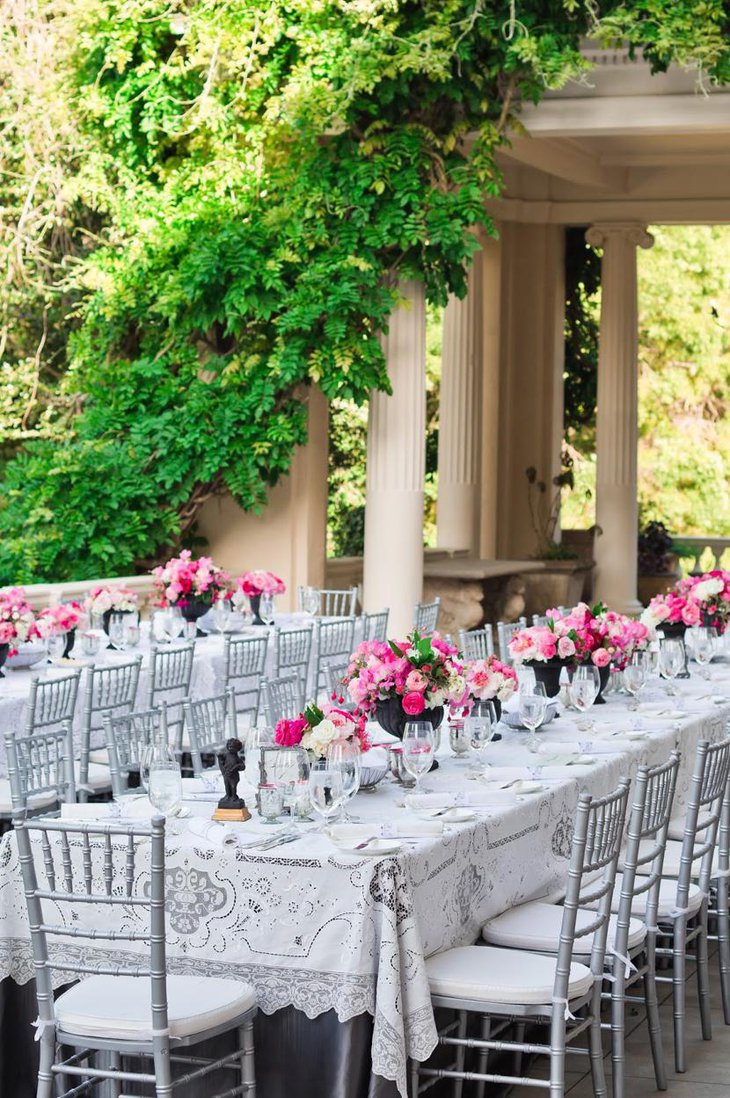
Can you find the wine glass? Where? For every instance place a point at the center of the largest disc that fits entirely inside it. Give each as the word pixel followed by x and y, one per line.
pixel 175 622
pixel 635 677
pixel 583 691
pixel 346 755
pixel 164 784
pixel 56 646
pixel 703 641
pixel 326 790
pixel 132 633
pixel 480 728
pixel 671 661
pixel 418 748
pixel 157 751
pixel 266 609
pixel 116 632
pixel 222 615
pixel 310 600
pixel 532 705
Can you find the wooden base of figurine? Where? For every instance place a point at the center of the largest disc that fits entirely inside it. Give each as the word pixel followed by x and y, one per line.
pixel 232 815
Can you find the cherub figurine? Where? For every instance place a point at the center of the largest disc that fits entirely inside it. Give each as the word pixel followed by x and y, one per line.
pixel 231 764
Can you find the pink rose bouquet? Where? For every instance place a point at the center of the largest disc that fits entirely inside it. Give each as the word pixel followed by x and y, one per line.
pixel 261 582
pixel 317 729
pixel 560 639
pixel 423 672
pixel 671 609
pixel 711 593
pixel 110 596
pixel 186 579
pixel 55 620
pixel 17 620
pixel 488 679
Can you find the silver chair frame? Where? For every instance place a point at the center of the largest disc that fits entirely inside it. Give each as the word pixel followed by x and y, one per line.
pixel 171 669
pixel 41 765
pixel 283 698
pixel 107 689
pixel 595 849
pixel 425 615
pixel 476 644
pixel 292 651
pixel 52 701
pixel 332 639
pixel 375 626
pixel 245 665
pixel 209 722
pixel 82 865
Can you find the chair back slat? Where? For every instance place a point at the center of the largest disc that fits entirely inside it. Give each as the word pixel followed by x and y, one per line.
pixel 702 816
pixel 337 602
pixel 375 626
pixel 292 649
pixel 41 768
pixel 209 722
pixel 52 701
pixel 171 670
pixel 477 644
pixel 332 640
pixel 110 689
pixel 426 615
pixel 283 698
pixel 126 737
pixel 245 664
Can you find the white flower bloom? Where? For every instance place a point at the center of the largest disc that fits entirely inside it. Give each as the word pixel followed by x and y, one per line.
pixel 704 591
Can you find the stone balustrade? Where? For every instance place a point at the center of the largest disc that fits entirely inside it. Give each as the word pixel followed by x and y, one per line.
pixel 40 595
pixel 718 547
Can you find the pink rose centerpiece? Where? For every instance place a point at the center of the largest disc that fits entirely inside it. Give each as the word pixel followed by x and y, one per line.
pixel 191 583
pixel 254 585
pixel 673 609
pixel 55 621
pixel 711 593
pixel 398 681
pixel 489 680
pixel 317 729
pixel 110 598
pixel 17 622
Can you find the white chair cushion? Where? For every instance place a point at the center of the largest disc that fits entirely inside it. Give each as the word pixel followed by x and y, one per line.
pixel 667 899
pixel 99 776
pixel 676 826
pixel 491 975
pixel 537 926
pixel 119 1006
pixel 40 800
pixel 99 755
pixel 672 858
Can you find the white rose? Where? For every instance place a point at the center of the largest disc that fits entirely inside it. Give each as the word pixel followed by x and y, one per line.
pixel 457 685
pixel 704 591
pixel 435 698
pixel 323 734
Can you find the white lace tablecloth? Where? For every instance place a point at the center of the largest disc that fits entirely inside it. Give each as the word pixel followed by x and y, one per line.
pixel 313 927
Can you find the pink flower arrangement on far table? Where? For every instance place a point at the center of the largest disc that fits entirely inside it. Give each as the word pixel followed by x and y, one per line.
pixel 187 579
pixel 62 618
pixel 711 593
pixel 671 609
pixel 488 679
pixel 425 672
pixel 110 596
pixel 17 620
pixel 260 582
pixel 317 729
pixel 584 635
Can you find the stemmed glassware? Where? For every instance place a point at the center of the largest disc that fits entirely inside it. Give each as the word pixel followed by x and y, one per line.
pixel 671 661
pixel 635 677
pixel 583 691
pixel 418 749
pixel 56 646
pixel 480 728
pixel 266 609
pixel 117 632
pixel 346 756
pixel 703 641
pixel 222 615
pixel 326 789
pixel 311 598
pixel 160 776
pixel 532 706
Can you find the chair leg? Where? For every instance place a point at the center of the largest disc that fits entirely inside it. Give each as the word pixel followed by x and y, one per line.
pixel 519 1056
pixel 115 1086
pixel 485 1031
pixel 679 950
pixel 703 979
pixel 460 1054
pixel 595 1047
pixel 618 1030
pixel 654 1024
pixel 248 1062
pixel 413 1093
pixel 44 1088
pixel 163 1071
pixel 557 1054
pixel 723 946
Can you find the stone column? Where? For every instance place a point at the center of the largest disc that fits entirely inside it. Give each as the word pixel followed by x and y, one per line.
pixel 616 424
pixel 489 262
pixel 393 565
pixel 457 513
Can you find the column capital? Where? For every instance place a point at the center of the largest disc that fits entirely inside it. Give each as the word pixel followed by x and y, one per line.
pixel 632 231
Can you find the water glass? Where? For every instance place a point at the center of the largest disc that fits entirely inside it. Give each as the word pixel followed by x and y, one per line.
pixel 165 785
pixel 222 616
pixel 311 597
pixel 703 641
pixel 480 729
pixel 132 633
pixel 266 609
pixel 635 678
pixel 532 706
pixel 116 632
pixel 271 802
pixel 326 790
pixel 301 801
pixel 458 739
pixel 157 752
pixel 346 756
pixel 91 642
pixel 583 691
pixel 56 646
pixel 418 749
pixel 190 630
pixel 671 660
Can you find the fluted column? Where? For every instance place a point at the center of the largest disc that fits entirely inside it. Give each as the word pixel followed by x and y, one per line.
pixel 617 420
pixel 457 515
pixel 393 566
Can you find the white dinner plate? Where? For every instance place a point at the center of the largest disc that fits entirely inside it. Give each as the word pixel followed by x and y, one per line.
pixel 376 848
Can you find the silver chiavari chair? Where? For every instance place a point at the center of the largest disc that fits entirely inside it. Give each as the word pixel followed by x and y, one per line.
pixel 539 619
pixel 332 640
pixel 245 663
pixel 107 689
pixel 171 668
pixel 338 603
pixel 292 651
pixel 688 864
pixel 283 697
pixel 130 1009
pixel 52 701
pixel 505 633
pixel 127 736
pixel 40 771
pixel 209 722
pixel 425 615
pixel 375 626
pixel 334 674
pixel 515 984
pixel 476 644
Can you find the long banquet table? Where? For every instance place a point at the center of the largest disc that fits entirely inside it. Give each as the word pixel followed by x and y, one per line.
pixel 342 938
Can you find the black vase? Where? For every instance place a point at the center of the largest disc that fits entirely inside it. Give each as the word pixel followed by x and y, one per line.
pixel 4 649
pixel 390 715
pixel 676 630
pixel 193 609
pixel 106 617
pixel 70 638
pixel 548 673
pixel 255 604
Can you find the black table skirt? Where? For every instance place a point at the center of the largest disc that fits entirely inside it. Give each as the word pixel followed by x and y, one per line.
pixel 295 1057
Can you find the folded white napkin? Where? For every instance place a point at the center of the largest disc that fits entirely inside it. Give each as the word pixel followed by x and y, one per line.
pixel 91 811
pixel 350 834
pixel 614 746
pixel 472 798
pixel 212 833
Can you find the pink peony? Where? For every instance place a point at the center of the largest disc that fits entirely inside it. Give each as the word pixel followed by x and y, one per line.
pixel 413 703
pixel 566 648
pixel 289 732
pixel 416 681
pixel 601 657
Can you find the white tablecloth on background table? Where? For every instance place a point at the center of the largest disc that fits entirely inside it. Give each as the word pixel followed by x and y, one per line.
pixel 319 929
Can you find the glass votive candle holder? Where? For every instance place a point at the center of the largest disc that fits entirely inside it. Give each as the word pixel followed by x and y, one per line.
pixel 458 739
pixel 190 630
pixel 91 642
pixel 131 634
pixel 271 802
pixel 302 802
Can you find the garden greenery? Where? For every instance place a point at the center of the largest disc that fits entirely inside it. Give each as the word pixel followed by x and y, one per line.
pixel 205 208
